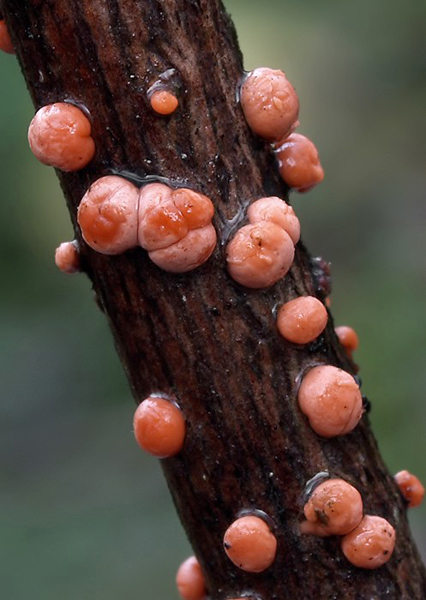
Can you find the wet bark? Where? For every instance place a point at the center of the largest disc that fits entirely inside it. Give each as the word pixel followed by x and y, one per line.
pixel 200 337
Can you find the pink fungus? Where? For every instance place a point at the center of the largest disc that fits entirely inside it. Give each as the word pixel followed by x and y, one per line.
pixel 5 41
pixel 159 427
pixel 302 320
pixel 370 545
pixel 299 163
pixel 190 580
pixel 270 104
pixel 334 508
pixel 348 338
pixel 107 215
pixel 276 211
pixel 259 254
pixel 163 102
pixel 410 487
pixel 67 258
pixel 59 136
pixel 250 544
pixel 331 400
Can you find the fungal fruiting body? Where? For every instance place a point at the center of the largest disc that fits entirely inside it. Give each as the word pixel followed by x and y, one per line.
pixel 334 508
pixel 5 41
pixel 190 580
pixel 67 257
pixel 175 227
pixel 276 211
pixel 348 338
pixel 370 545
pixel 302 320
pixel 250 544
pixel 410 487
pixel 163 102
pixel 159 427
pixel 108 213
pixel 60 136
pixel 270 104
pixel 299 163
pixel 331 399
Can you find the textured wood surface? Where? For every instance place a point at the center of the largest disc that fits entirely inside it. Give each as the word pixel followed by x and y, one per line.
pixel 201 337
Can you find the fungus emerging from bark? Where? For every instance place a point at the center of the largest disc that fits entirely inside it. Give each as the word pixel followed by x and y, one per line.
pixel 163 102
pixel 334 508
pixel 5 40
pixel 302 320
pixel 67 258
pixel 276 211
pixel 159 427
pixel 348 338
pixel 299 163
pixel 410 487
pixel 370 545
pixel 190 580
pixel 108 214
pixel 331 400
pixel 250 544
pixel 270 104
pixel 59 136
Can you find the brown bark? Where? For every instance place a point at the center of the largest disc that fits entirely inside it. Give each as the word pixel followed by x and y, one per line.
pixel 201 337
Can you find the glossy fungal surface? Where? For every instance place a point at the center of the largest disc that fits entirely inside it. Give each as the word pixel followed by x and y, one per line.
pixel 302 320
pixel 190 580
pixel 348 338
pixel 334 508
pixel 276 211
pixel 67 258
pixel 60 136
pixel 331 400
pixel 410 487
pixel 259 254
pixel 250 544
pixel 299 163
pixel 107 215
pixel 5 40
pixel 370 545
pixel 159 427
pixel 163 102
pixel 270 104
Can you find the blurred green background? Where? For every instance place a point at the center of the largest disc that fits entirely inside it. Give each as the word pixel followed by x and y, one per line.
pixel 83 513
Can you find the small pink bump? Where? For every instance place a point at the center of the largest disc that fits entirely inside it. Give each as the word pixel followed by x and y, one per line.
pixel 302 320
pixel 348 338
pixel 331 400
pixel 410 487
pixel 370 545
pixel 163 102
pixel 159 427
pixel 190 580
pixel 259 254
pixel 5 40
pixel 250 544
pixel 334 508
pixel 107 215
pixel 67 258
pixel 299 163
pixel 270 104
pixel 59 136
pixel 276 211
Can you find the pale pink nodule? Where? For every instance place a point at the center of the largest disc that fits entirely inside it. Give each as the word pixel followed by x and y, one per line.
pixel 5 40
pixel 410 487
pixel 107 215
pixel 276 211
pixel 371 544
pixel 302 320
pixel 59 136
pixel 250 544
pixel 163 102
pixel 259 255
pixel 331 400
pixel 67 258
pixel 299 163
pixel 190 580
pixel 348 338
pixel 270 104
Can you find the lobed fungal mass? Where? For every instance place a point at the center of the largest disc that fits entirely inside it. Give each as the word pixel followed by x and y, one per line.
pixel 159 427
pixel 299 163
pixel 371 544
pixel 67 258
pixel 190 580
pixel 6 44
pixel 276 211
pixel 410 487
pixel 302 320
pixel 250 544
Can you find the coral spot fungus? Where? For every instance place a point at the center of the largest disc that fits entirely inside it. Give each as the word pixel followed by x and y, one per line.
pixel 302 320
pixel 410 487
pixel 276 211
pixel 250 544
pixel 159 427
pixel 163 102
pixel 370 545
pixel 67 257
pixel 299 163
pixel 190 580
pixel 348 338
pixel 5 40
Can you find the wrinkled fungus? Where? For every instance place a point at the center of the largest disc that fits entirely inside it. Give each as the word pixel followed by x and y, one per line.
pixel 331 400
pixel 270 104
pixel 299 163
pixel 159 427
pixel 410 487
pixel 302 320
pixel 276 211
pixel 163 102
pixel 334 508
pixel 67 258
pixel 59 136
pixel 250 544
pixel 5 40
pixel 370 545
pixel 108 213
pixel 190 580
pixel 259 254
pixel 348 338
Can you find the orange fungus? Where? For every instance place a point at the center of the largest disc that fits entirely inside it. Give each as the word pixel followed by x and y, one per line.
pixel 190 580
pixel 370 545
pixel 159 427
pixel 302 320
pixel 299 163
pixel 5 41
pixel 163 102
pixel 410 487
pixel 67 257
pixel 276 211
pixel 348 338
pixel 250 544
